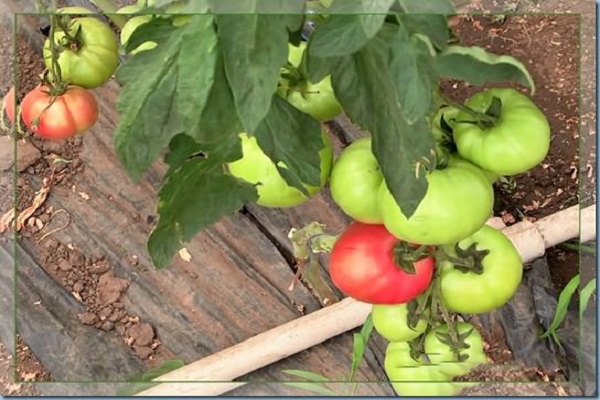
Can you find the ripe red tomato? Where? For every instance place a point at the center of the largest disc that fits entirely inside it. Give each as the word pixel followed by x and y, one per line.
pixel 59 117
pixel 9 104
pixel 362 265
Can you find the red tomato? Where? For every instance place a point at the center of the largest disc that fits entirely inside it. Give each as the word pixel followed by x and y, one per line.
pixel 9 104
pixel 362 266
pixel 59 117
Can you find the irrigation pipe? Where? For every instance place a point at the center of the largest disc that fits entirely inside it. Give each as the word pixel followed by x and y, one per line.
pixel 531 240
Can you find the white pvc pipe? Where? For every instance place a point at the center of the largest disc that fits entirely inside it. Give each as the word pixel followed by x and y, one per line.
pixel 530 239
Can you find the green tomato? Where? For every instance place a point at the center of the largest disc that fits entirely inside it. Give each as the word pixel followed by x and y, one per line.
pixel 411 377
pixel 489 175
pixel 458 201
pixel 130 26
pixel 391 322
pixel 517 142
pixel 355 181
pixel 273 191
pixel 315 99
pixel 95 57
pixel 441 353
pixel 473 293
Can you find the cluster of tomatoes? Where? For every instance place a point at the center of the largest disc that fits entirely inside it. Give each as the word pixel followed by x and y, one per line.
pixel 81 54
pixel 444 249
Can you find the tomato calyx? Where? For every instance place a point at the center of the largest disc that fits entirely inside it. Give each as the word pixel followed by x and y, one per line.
pixel 406 255
pixel 484 120
pixel 469 260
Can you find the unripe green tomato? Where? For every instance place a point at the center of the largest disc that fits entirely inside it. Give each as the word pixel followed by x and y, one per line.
pixel 355 181
pixel 391 322
pixel 458 201
pixel 442 354
pixel 273 191
pixel 411 377
pixel 130 26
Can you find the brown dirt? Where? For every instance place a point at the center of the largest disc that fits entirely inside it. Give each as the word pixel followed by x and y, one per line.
pixel 14 382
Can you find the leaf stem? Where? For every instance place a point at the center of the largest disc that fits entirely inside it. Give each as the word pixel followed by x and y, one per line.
pixel 481 119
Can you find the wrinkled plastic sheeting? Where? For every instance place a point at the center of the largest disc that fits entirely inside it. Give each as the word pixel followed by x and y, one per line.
pixel 529 313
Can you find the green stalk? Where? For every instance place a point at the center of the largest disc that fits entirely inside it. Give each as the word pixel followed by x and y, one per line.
pixel 109 8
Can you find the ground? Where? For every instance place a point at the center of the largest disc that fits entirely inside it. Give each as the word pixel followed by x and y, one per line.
pixel 549 47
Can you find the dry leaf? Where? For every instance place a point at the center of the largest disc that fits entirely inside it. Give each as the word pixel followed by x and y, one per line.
pixel 39 199
pixel 84 195
pixel 70 246
pixel 77 296
pixel 6 219
pixel 28 376
pixel 12 388
pixel 39 224
pixel 185 254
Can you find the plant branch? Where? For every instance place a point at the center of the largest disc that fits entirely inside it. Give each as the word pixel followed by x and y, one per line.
pixel 479 117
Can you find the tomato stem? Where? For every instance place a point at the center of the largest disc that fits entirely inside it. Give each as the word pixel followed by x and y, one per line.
pixel 483 120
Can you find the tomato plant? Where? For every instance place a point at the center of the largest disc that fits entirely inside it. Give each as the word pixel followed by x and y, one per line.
pixel 437 346
pixel 393 323
pixel 369 264
pixel 88 52
pixel 59 116
pixel 355 181
pixel 515 140
pixel 316 99
pixel 458 202
pixel 485 277
pixel 273 191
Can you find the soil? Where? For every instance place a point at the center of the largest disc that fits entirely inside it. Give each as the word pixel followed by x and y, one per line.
pixel 552 186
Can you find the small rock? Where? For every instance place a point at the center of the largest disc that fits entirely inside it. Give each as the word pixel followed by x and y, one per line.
pixel 78 286
pixel 77 259
pixel 143 351
pixel 87 318
pixel 105 313
pixel 120 329
pixel 110 288
pixel 107 326
pixel 143 334
pixel 65 265
pixel 116 315
pixel 99 268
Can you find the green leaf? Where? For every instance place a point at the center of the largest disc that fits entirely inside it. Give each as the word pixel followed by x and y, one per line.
pixel 150 98
pixel 194 196
pixel 434 26
pixel 341 35
pixel 289 136
pixel 415 79
pixel 197 61
pixel 148 376
pixel 584 296
pixel 360 344
pixel 254 48
pixel 478 67
pixel 308 375
pixel 282 8
pixel 563 304
pixel 427 6
pixel 370 101
pixel 181 148
pixel 312 387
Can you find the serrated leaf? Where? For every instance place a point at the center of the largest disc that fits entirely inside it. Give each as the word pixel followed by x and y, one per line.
pixel 344 34
pixel 254 48
pixel 427 6
pixel 181 148
pixel 478 67
pixel 289 136
pixel 193 197
pixel 149 100
pixel 370 101
pixel 410 64
pixel 197 61
pixel 434 26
